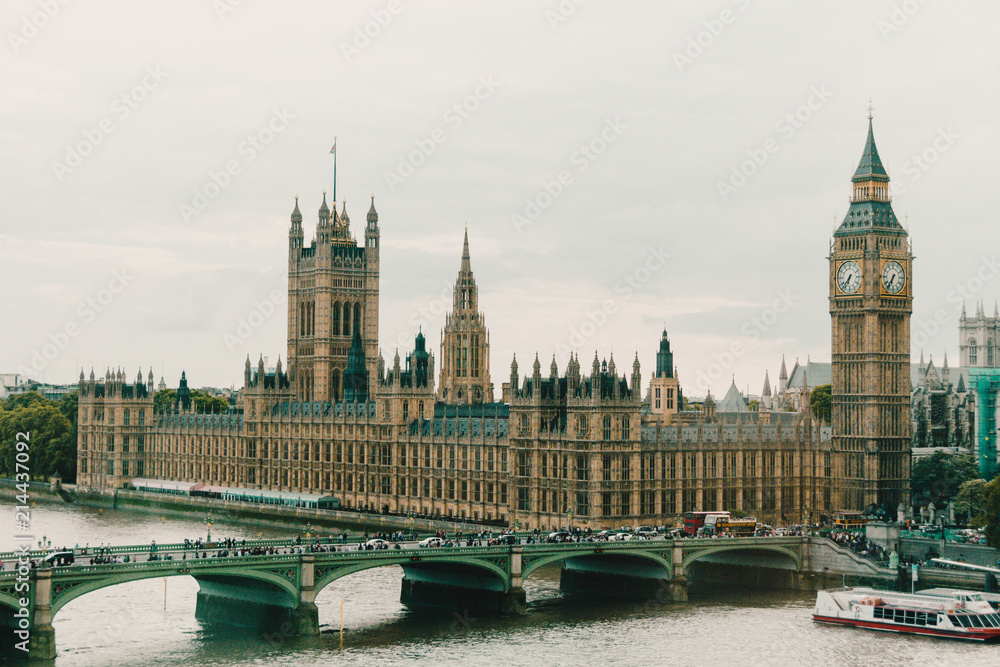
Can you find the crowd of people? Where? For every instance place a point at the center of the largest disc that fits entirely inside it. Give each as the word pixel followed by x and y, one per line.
pixel 861 545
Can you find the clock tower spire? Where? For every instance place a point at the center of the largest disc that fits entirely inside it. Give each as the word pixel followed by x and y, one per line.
pixel 871 301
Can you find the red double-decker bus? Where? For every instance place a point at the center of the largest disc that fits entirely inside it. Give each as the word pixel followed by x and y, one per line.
pixel 695 520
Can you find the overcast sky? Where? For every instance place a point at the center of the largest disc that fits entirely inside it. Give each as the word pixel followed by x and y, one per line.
pixel 598 151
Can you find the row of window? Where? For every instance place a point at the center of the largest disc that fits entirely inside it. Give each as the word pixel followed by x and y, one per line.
pixel 974 352
pixel 140 416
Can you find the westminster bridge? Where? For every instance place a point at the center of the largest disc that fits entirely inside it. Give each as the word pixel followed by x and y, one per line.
pixel 279 590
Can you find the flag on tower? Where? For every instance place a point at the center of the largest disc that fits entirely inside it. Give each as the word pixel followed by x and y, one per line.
pixel 334 149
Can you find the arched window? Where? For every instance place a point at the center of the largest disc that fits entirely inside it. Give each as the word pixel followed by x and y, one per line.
pixel 406 411
pixel 607 427
pixel 989 353
pixel 336 318
pixel 625 428
pixel 973 352
pixel 335 386
pixel 125 417
pixel 357 318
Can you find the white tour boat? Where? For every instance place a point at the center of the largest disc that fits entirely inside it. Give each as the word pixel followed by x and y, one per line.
pixel 962 615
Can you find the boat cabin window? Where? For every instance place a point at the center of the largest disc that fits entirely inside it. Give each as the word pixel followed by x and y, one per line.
pixel 976 621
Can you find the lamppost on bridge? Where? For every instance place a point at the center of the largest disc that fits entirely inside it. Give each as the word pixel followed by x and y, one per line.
pixel 208 531
pixel 569 518
pixel 44 544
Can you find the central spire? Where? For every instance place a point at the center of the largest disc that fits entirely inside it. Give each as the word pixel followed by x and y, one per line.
pixel 466 261
pixel 870 166
pixel 871 198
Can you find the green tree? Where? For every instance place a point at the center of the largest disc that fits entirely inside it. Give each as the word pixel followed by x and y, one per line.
pixel 937 478
pixel 69 405
pixel 971 501
pixel 819 403
pixel 205 402
pixel 992 493
pixel 51 437
pixel 164 400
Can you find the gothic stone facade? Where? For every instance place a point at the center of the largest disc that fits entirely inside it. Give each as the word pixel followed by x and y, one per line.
pixel 564 449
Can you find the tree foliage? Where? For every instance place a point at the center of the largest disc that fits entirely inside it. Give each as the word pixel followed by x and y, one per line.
pixel 51 436
pixel 992 493
pixel 819 403
pixel 937 478
pixel 205 402
pixel 165 400
pixel 971 501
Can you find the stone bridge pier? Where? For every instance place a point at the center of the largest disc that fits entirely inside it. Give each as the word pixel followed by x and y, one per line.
pixel 251 602
pixel 465 586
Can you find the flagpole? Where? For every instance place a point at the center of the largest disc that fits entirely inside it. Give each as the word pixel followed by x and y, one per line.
pixel 335 169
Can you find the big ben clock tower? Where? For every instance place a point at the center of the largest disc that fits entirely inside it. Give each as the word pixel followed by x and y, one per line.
pixel 871 299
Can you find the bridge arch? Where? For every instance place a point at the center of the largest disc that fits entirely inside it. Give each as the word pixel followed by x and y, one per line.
pixel 564 554
pixel 64 595
pixel 10 600
pixel 698 553
pixel 327 575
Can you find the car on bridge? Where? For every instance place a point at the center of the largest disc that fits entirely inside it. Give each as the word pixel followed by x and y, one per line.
pixel 559 536
pixel 430 542
pixel 646 532
pixel 376 544
pixel 60 558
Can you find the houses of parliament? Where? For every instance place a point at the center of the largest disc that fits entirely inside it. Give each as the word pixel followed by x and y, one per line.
pixel 588 444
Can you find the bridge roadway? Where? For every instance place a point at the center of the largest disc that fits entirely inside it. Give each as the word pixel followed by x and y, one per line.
pixel 283 586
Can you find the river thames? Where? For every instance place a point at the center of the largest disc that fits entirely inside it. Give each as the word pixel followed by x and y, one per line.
pixel 147 623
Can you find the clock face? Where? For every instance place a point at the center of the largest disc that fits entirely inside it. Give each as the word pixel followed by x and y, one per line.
pixel 893 277
pixel 849 277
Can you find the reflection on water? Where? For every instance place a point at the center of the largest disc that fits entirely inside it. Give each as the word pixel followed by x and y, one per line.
pixel 721 625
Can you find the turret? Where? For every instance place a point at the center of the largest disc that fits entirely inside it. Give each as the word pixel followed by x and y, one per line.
pixel 636 376
pixel 295 235
pixel 514 377
pixel 323 228
pixel 183 393
pixel 371 230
